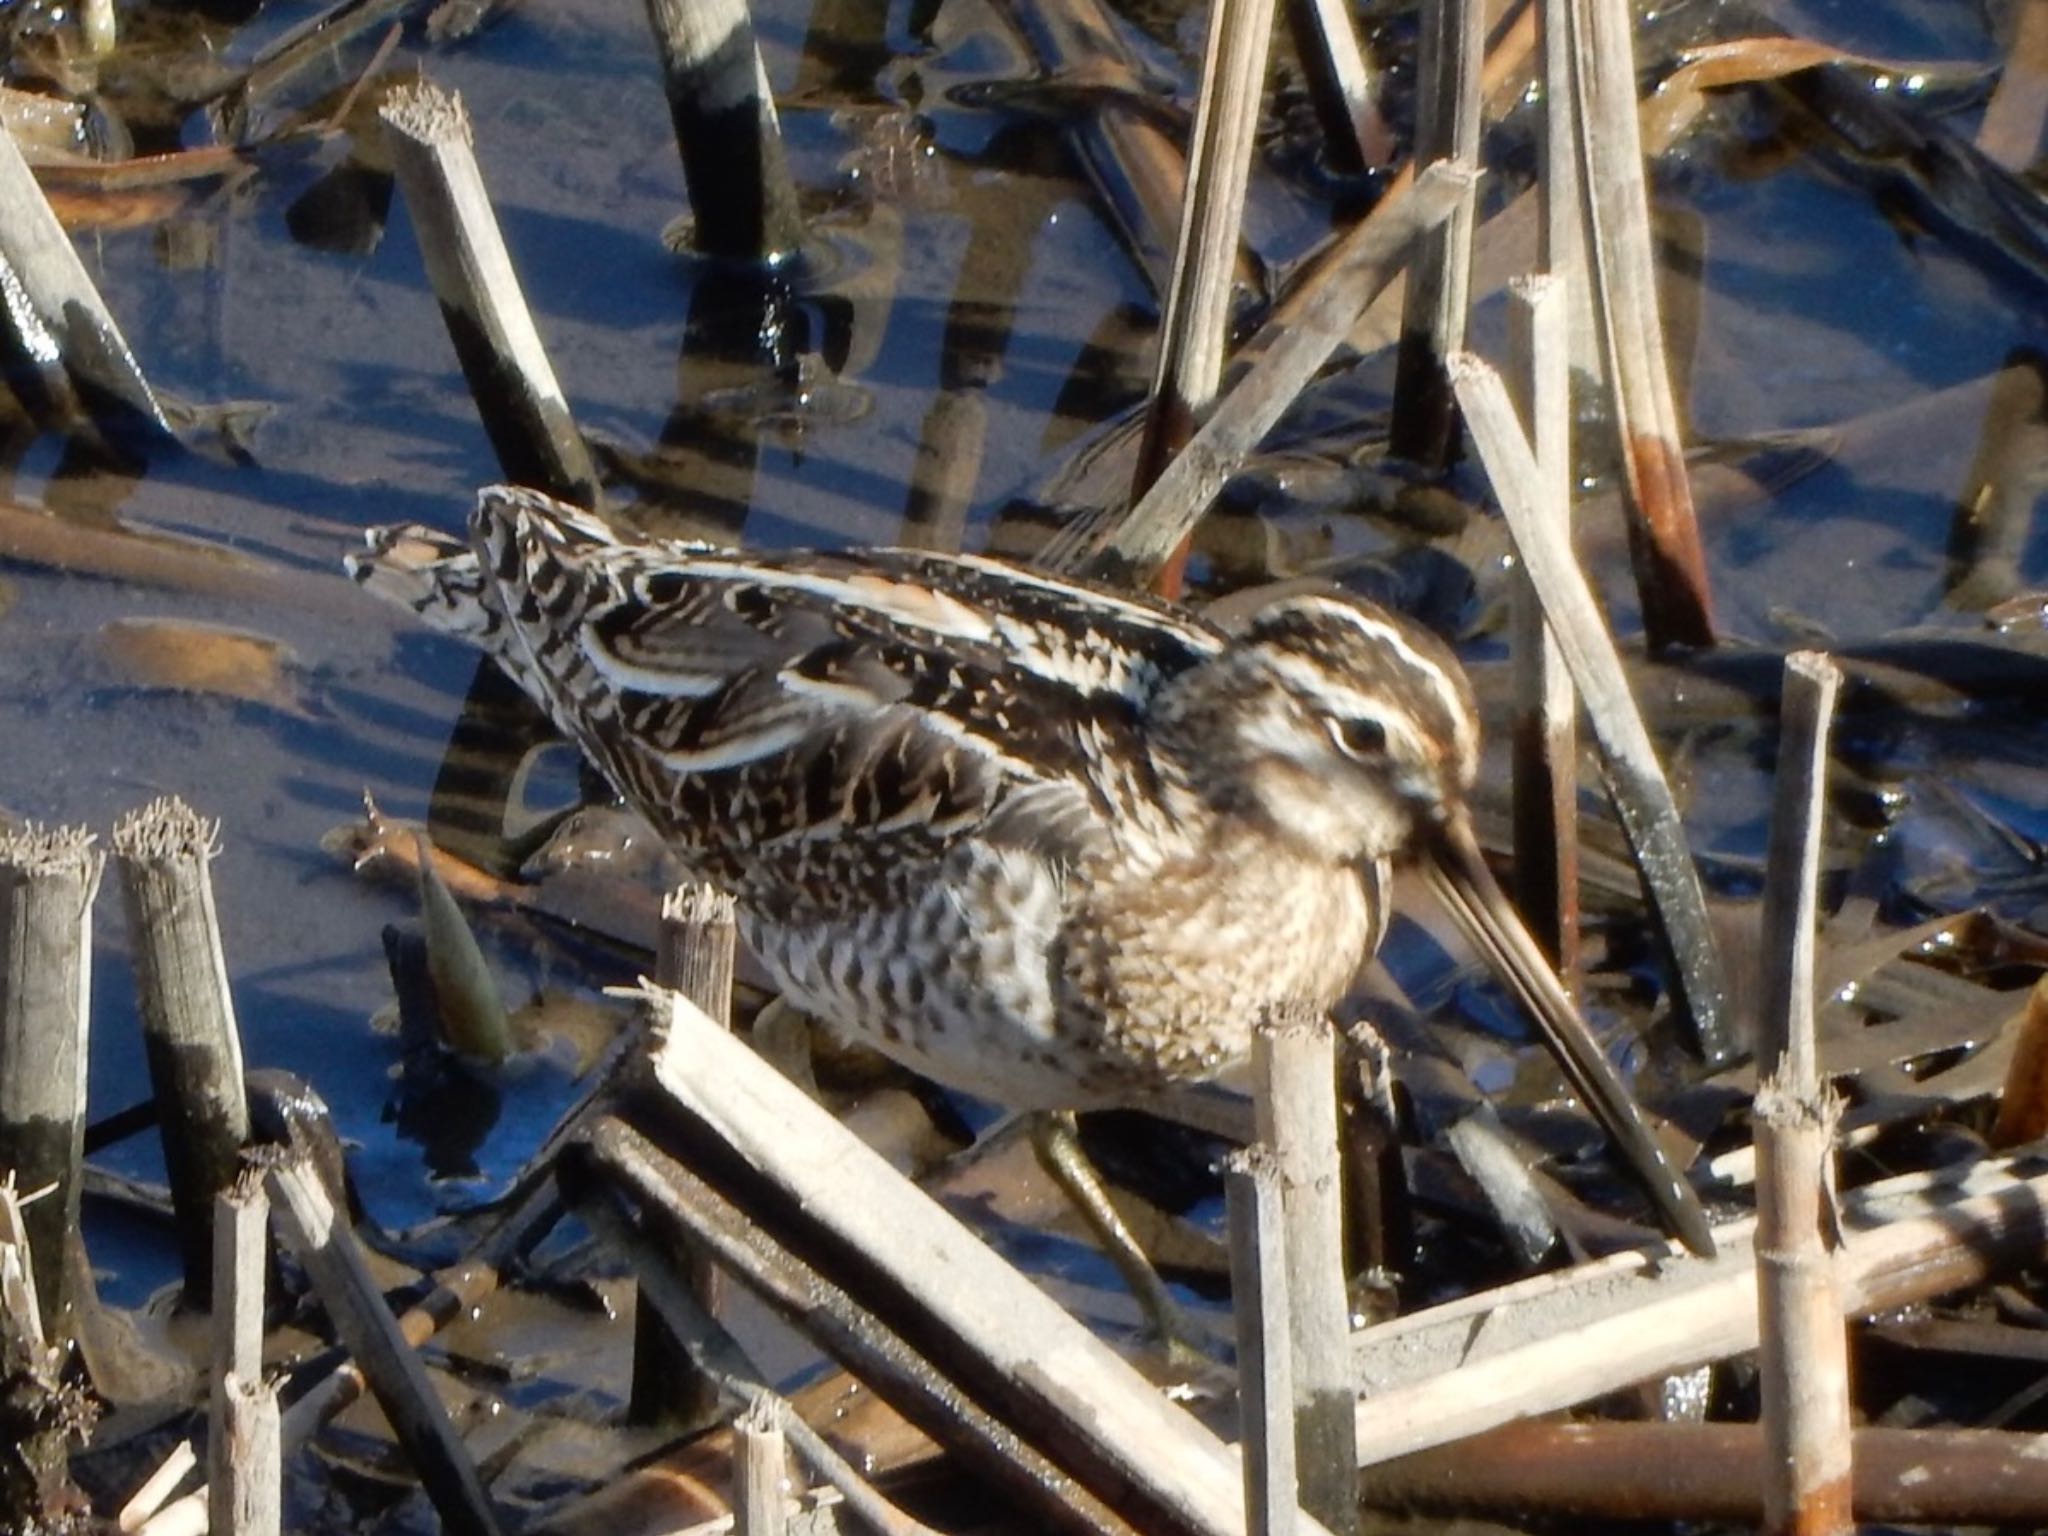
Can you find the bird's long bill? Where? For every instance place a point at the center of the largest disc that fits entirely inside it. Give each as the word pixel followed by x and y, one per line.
pixel 1458 873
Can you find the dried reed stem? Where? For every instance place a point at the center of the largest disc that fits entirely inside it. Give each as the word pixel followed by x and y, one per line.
pixel 1294 1095
pixel 1804 1359
pixel 1193 332
pixel 1340 84
pixel 48 878
pixel 741 193
pixel 1664 536
pixel 1545 731
pixel 695 958
pixel 1635 779
pixel 1128 547
pixel 1424 427
pixel 522 407
pixel 241 1255
pixel 396 1375
pixel 760 1505
pixel 1261 1308
pixel 252 1501
pixel 62 322
pixel 1554 1470
pixel 165 852
pixel 986 1322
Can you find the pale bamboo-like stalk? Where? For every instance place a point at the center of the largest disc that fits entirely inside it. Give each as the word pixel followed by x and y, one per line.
pixel 1129 546
pixel 48 878
pixel 522 407
pixel 760 1505
pixel 1545 740
pixel 1260 1307
pixel 984 1318
pixel 1561 250
pixel 1900 1248
pixel 253 1500
pixel 1193 332
pixel 1804 1358
pixel 165 853
pixel 1438 300
pixel 241 1256
pixel 1571 1472
pixel 63 323
pixel 741 193
pixel 1340 83
pixel 1664 532
pixel 1294 1096
pixel 1635 779
pixel 694 958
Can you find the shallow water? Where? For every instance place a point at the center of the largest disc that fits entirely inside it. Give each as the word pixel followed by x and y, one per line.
pixel 942 208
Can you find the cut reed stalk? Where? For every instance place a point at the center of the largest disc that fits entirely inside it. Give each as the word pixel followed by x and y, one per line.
pixel 1261 1309
pixel 699 942
pixel 521 405
pixel 1128 547
pixel 48 878
pixel 1340 84
pixel 1193 332
pixel 241 1256
pixel 395 1373
pixel 194 1047
pixel 1545 735
pixel 1424 427
pixel 1664 536
pixel 1804 1358
pixel 760 1504
pixel 1635 779
pixel 1294 1096
pixel 741 194
pixel 65 326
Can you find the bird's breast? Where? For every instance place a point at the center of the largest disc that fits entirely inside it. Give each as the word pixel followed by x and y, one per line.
pixel 1176 965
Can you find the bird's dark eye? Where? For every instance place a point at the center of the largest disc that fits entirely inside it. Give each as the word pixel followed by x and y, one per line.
pixel 1360 738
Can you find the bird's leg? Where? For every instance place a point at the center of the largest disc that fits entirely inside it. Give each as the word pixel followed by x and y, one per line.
pixel 1057 1141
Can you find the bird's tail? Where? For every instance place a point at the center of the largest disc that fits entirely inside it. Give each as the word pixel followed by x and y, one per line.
pixel 436 576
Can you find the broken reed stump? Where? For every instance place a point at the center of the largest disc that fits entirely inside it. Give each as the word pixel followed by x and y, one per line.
pixel 44 1407
pixel 1804 1356
pixel 1261 1308
pixel 1561 252
pixel 249 1423
pixel 194 1049
pixel 1000 1341
pixel 1294 1097
pixel 647 1209
pixel 242 1414
pixel 760 1505
pixel 48 878
pixel 1424 428
pixel 694 959
pixel 742 198
pixel 521 405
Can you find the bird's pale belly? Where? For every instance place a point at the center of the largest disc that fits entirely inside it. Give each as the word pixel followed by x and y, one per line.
pixel 1042 990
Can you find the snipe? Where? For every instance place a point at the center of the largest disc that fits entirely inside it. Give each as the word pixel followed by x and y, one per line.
pixel 1050 845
